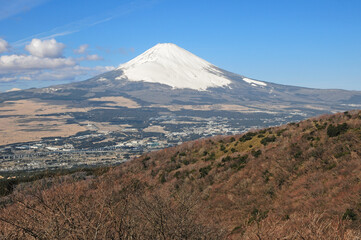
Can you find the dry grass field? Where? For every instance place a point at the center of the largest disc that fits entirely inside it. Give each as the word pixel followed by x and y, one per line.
pixel 28 120
pixel 24 120
pixel 117 101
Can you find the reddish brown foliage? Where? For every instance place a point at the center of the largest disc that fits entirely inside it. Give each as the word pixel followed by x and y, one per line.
pixel 300 184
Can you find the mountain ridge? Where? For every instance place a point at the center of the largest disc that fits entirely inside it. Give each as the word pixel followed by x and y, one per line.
pixel 299 181
pixel 160 69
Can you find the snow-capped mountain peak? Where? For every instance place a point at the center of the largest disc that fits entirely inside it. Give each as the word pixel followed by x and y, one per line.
pixel 168 64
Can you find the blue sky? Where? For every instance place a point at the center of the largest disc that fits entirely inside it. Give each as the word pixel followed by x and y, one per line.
pixel 311 43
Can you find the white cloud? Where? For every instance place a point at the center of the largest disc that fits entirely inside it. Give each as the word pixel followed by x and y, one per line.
pixel 4 46
pixel 14 7
pixel 93 57
pixel 8 79
pixel 46 63
pixel 70 73
pixel 11 63
pixel 81 49
pixel 102 69
pixel 45 48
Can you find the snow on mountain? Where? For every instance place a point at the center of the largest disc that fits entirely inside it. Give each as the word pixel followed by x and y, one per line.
pixel 254 82
pixel 169 64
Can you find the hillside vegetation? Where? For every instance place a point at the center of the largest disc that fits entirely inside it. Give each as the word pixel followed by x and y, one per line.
pixel 297 181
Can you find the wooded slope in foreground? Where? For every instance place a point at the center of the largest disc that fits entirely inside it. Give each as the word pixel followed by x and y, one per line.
pixel 297 181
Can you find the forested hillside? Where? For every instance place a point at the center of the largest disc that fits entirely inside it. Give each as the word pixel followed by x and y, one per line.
pixel 297 181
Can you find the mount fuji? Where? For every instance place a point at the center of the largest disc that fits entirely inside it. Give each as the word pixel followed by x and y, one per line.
pixel 173 66
pixel 168 82
pixel 167 74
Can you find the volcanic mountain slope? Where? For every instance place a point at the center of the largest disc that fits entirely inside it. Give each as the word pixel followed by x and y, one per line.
pixel 164 81
pixel 297 181
pixel 171 65
pixel 167 74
